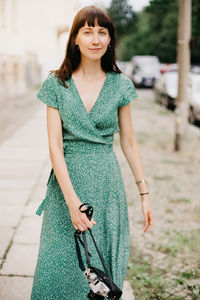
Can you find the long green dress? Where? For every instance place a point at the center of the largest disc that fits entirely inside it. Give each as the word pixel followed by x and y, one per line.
pixel 96 177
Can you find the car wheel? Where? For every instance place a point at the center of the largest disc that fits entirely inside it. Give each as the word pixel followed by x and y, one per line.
pixel 191 116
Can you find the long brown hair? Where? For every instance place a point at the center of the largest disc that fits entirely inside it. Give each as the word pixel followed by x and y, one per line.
pixel 72 55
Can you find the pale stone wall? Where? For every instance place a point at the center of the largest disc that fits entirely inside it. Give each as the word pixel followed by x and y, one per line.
pixel 33 37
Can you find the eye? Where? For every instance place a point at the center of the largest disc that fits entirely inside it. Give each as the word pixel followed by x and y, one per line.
pixel 103 32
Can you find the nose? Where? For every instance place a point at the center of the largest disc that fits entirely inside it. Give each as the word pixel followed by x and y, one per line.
pixel 95 38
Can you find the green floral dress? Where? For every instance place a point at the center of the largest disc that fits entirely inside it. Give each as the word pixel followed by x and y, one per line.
pixel 96 177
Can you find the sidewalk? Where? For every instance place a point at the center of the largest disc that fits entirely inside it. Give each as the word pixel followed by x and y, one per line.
pixel 24 169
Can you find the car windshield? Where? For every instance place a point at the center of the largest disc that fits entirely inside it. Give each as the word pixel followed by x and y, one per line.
pixel 148 68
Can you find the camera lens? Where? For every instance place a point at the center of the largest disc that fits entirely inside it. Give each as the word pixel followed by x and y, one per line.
pixel 92 296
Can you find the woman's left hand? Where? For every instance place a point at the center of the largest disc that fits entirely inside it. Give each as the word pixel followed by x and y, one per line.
pixel 147 212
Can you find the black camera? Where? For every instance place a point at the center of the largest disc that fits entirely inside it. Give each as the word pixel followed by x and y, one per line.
pixel 100 283
pixel 92 296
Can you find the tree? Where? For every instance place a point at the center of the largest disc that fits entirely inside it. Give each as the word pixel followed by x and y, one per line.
pixel 123 16
pixel 153 31
pixel 195 53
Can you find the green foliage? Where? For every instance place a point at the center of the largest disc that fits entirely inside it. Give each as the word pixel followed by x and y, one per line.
pixel 153 31
pixel 195 31
pixel 123 16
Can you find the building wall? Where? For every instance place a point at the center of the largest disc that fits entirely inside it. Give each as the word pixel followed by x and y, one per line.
pixel 30 43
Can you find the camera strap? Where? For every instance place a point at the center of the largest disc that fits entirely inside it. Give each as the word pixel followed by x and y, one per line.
pixel 89 212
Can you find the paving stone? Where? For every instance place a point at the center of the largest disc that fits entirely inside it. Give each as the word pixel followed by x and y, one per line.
pixel 5 238
pixel 19 153
pixel 127 291
pixel 20 260
pixel 28 231
pixel 25 171
pixel 30 210
pixel 15 288
pixel 14 197
pixel 10 215
pixel 38 193
pixel 20 184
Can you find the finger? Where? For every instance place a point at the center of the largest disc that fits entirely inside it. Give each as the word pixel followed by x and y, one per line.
pixel 145 220
pixel 87 222
pixel 81 228
pixel 85 227
pixel 148 227
pixel 93 221
pixel 150 218
pixel 89 225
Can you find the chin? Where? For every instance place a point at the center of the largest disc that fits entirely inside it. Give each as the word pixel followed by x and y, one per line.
pixel 94 56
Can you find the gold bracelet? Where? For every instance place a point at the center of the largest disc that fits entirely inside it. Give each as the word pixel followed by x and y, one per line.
pixel 142 180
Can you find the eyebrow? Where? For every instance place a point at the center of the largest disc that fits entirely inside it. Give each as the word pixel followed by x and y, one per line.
pixel 91 28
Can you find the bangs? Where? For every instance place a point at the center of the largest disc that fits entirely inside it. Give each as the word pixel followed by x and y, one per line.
pixel 93 14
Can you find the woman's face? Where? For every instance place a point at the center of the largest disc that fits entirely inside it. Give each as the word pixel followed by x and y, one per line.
pixel 93 41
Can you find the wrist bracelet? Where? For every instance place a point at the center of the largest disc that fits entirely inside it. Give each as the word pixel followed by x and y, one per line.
pixel 140 181
pixel 144 193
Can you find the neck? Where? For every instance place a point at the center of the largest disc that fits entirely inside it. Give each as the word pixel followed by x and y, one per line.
pixel 89 69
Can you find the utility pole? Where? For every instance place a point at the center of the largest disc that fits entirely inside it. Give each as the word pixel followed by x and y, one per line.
pixel 182 105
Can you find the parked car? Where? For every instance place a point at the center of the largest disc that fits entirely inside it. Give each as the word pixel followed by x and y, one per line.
pixel 166 89
pixel 195 69
pixel 194 98
pixel 126 67
pixel 169 68
pixel 146 70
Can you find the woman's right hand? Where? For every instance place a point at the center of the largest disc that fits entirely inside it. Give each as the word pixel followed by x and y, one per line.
pixel 80 220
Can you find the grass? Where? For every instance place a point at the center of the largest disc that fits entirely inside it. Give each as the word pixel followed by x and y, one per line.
pixel 164 177
pixel 170 277
pixel 179 200
pixel 146 281
pixel 164 112
pixel 177 241
pixel 173 162
pixel 169 210
pixel 149 282
pixel 196 214
pixel 142 137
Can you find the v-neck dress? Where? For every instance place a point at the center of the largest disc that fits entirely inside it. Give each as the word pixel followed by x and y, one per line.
pixel 96 177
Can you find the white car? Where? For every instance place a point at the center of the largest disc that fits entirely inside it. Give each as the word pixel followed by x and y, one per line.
pixel 166 89
pixel 146 70
pixel 194 97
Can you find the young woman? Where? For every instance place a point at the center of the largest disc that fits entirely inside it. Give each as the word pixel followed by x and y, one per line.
pixel 88 100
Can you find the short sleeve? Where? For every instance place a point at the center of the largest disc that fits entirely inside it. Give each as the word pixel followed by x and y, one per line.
pixel 47 92
pixel 128 91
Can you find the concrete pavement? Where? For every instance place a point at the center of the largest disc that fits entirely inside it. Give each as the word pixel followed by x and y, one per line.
pixel 24 169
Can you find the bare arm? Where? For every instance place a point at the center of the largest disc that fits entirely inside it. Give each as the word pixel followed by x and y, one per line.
pixel 130 149
pixel 54 128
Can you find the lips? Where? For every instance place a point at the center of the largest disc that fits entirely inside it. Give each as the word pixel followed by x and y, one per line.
pixel 96 49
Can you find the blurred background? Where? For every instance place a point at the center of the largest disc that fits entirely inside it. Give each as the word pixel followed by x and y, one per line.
pixel 158 48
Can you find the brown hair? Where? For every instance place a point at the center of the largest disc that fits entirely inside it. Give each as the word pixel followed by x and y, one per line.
pixel 72 57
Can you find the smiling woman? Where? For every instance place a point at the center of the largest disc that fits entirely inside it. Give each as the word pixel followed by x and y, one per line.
pixel 88 100
pixel 93 39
